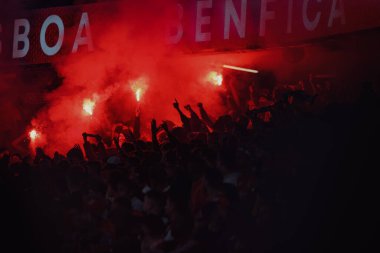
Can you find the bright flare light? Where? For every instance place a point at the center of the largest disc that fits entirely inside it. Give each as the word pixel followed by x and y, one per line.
pixel 241 69
pixel 88 106
pixel 138 95
pixel 33 134
pixel 215 78
pixel 139 87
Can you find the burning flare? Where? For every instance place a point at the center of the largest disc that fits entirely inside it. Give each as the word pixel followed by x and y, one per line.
pixel 33 134
pixel 138 94
pixel 139 87
pixel 88 106
pixel 215 78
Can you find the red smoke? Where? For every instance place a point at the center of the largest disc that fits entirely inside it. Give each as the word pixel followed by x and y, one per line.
pixel 132 46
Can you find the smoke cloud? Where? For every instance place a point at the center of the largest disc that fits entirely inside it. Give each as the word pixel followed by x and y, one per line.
pixel 132 46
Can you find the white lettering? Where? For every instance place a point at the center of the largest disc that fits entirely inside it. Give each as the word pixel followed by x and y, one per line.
pixel 53 19
pixel 86 40
pixel 265 15
pixel 310 25
pixel 240 24
pixel 337 13
pixel 21 37
pixel 202 20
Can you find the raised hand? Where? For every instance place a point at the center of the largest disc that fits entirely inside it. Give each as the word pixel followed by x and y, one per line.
pixel 84 135
pixel 187 107
pixel 200 105
pixel 176 104
pixel 39 152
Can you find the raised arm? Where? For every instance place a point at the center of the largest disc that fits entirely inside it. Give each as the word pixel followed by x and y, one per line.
pixel 185 120
pixel 195 122
pixel 192 113
pixel 171 138
pixel 88 149
pixel 154 130
pixel 205 117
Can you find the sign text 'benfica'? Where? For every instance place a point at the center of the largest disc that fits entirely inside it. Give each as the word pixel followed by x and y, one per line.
pixel 197 24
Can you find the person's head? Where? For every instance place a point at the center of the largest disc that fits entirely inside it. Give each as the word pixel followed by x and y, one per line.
pixel 141 145
pixel 114 161
pixel 224 124
pixel 154 203
pixel 39 152
pixel 128 147
pixel 162 137
pixel 198 139
pixel 58 157
pixel 75 155
pixel 180 134
pixel 15 159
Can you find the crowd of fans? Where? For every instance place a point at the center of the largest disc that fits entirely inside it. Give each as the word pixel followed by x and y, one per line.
pixel 249 182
